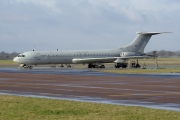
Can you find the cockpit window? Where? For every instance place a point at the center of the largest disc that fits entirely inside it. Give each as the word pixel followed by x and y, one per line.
pixel 21 55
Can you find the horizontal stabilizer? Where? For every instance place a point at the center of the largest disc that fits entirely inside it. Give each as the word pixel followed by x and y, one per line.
pixel 151 33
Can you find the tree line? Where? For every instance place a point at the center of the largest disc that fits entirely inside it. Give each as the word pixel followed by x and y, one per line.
pixel 165 54
pixel 7 56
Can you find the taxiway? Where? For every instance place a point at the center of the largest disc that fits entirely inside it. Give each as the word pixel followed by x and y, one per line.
pixel 160 91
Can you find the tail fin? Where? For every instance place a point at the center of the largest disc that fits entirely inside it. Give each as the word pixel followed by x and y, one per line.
pixel 141 41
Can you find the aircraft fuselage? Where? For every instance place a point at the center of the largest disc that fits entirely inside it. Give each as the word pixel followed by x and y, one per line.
pixel 63 57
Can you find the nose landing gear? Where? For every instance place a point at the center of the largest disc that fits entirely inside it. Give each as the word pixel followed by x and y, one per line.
pixel 68 65
pixel 25 66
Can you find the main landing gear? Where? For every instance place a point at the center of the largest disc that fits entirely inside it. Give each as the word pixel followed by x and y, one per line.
pixel 61 65
pixel 96 66
pixel 123 65
pixel 68 65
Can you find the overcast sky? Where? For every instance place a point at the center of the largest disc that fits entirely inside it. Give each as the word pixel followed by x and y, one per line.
pixel 87 24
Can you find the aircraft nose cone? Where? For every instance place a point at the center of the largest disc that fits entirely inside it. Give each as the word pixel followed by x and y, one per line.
pixel 15 59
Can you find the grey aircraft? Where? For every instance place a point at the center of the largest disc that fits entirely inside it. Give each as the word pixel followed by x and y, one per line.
pixel 94 58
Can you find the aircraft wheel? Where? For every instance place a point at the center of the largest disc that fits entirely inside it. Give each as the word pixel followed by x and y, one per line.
pixel 62 66
pixel 102 66
pixel 124 66
pixel 90 66
pixel 68 65
pixel 116 66
pixel 96 66
pixel 30 67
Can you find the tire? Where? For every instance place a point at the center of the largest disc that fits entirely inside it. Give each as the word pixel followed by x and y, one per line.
pixel 30 67
pixel 102 66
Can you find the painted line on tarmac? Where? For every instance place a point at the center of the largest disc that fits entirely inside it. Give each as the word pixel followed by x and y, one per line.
pixel 163 94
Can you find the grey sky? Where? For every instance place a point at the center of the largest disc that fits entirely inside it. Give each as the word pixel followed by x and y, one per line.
pixel 86 24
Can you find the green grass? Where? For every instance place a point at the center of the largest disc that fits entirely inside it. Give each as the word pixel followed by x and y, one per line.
pixel 143 71
pixel 7 62
pixel 161 61
pixel 25 108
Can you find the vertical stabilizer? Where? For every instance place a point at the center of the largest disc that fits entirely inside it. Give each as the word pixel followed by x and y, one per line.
pixel 140 42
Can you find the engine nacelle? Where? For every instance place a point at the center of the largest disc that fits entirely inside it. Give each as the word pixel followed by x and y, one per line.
pixel 125 54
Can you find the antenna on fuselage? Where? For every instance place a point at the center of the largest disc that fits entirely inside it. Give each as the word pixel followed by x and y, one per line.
pixel 34 47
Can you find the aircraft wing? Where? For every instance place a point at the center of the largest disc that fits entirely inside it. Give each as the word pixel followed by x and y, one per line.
pixel 105 59
pixel 94 60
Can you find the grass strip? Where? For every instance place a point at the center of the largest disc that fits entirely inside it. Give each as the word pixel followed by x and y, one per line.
pixel 7 62
pixel 27 108
pixel 142 71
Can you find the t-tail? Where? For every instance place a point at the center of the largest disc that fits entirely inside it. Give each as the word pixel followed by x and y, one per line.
pixel 140 42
